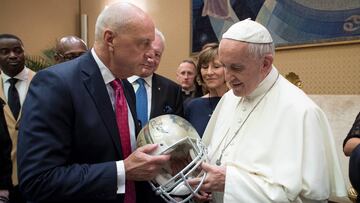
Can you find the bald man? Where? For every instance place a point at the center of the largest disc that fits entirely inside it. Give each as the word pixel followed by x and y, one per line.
pixel 69 47
pixel 77 134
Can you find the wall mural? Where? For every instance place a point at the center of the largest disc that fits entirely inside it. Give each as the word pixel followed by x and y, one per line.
pixel 290 22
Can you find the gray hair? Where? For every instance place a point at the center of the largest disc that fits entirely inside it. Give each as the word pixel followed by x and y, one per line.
pixel 260 50
pixel 160 34
pixel 116 17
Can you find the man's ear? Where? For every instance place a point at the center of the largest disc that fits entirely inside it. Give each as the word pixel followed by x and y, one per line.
pixel 267 63
pixel 109 37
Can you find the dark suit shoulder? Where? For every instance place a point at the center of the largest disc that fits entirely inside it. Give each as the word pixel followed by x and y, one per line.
pixel 166 97
pixel 68 114
pixel 165 81
pixel 84 63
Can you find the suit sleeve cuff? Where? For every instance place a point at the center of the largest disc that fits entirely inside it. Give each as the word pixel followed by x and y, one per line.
pixel 120 177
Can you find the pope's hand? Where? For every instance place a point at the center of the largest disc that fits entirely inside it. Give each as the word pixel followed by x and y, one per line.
pixel 214 181
pixel 141 166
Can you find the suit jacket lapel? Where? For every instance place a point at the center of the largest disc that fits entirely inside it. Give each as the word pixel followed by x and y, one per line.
pixel 131 100
pixel 95 85
pixel 155 93
pixel 2 94
pixel 30 76
pixel 7 110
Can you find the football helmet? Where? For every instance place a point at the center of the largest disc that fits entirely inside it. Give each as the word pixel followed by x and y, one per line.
pixel 177 137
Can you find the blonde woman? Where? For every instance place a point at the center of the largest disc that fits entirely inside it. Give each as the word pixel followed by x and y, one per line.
pixel 212 76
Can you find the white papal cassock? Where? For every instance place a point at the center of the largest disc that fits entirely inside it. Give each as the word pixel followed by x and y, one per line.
pixel 284 152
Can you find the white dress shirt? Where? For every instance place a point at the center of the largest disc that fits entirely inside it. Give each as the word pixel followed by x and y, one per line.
pixel 148 86
pixel 108 78
pixel 21 85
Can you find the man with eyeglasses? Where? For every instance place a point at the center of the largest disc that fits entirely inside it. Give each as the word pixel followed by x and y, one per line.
pixel 69 47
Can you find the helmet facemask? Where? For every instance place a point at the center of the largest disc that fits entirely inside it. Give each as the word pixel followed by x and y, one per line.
pixel 187 152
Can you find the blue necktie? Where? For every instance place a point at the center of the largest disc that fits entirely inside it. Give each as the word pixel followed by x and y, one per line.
pixel 141 102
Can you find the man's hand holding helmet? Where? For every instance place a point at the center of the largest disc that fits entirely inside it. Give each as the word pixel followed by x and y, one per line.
pixel 215 178
pixel 140 165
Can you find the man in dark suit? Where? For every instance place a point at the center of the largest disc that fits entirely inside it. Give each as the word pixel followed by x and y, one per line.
pixel 76 121
pixel 15 79
pixel 163 96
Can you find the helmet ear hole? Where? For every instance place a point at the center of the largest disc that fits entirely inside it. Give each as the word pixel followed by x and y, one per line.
pixel 177 137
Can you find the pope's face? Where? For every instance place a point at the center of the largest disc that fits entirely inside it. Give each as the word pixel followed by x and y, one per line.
pixel 243 72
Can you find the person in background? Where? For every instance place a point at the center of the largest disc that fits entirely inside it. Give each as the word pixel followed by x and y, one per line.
pixel 14 82
pixel 68 48
pixel 186 78
pixel 211 73
pixel 351 148
pixel 77 138
pixel 267 140
pixel 155 94
pixel 5 157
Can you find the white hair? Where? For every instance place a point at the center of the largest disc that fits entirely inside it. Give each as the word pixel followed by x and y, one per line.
pixel 260 50
pixel 116 17
pixel 160 34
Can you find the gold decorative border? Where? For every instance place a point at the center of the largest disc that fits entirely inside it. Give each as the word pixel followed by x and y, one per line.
pixel 317 44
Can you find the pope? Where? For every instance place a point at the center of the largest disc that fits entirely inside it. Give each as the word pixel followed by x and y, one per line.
pixel 267 140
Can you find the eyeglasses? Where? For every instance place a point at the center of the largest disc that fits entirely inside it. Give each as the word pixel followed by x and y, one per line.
pixel 70 56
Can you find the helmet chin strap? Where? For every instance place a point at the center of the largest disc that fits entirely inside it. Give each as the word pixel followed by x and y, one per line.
pixel 183 189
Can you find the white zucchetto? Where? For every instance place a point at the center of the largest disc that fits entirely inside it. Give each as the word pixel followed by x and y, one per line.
pixel 248 31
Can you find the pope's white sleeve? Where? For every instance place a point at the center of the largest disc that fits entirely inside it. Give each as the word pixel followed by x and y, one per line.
pixel 321 171
pixel 242 186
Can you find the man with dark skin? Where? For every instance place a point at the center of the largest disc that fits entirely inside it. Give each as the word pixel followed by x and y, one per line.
pixel 69 47
pixel 12 58
pixel 14 81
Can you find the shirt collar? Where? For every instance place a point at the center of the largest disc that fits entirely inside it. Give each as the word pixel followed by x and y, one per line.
pixel 105 71
pixel 22 76
pixel 148 80
pixel 187 92
pixel 190 91
pixel 264 86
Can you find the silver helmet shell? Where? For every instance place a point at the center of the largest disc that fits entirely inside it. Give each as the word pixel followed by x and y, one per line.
pixel 177 137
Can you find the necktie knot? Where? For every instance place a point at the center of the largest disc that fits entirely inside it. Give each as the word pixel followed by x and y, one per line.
pixel 116 84
pixel 140 81
pixel 13 81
